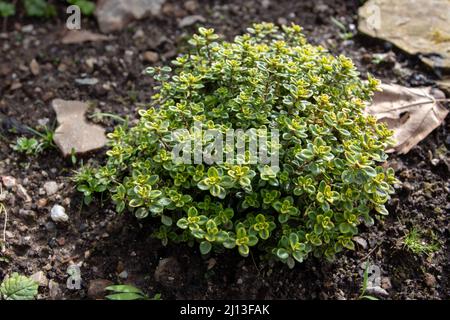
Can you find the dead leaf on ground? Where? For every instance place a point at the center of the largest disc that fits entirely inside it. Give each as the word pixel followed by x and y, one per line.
pixel 412 113
pixel 80 36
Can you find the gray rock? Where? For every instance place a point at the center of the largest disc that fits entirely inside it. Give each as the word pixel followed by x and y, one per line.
pixel 40 278
pixel 51 187
pixel 386 283
pixel 361 241
pixel 9 182
pixel 28 214
pixel 58 214
pixel 377 291
pixel 54 290
pixel 190 20
pixel 123 275
pixel 87 81
pixel 74 133
pixel 114 15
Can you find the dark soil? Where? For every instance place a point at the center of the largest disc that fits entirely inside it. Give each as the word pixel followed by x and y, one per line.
pixel 105 244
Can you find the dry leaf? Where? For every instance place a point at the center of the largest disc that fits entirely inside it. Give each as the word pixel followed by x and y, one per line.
pixel 411 112
pixel 80 36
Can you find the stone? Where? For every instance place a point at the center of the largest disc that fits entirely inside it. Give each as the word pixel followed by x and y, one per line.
pixel 27 213
pixel 190 20
pixel 58 214
pixel 191 5
pixel 97 288
pixel 150 56
pixel 123 275
pixel 54 290
pixel 361 241
pixel 430 280
pixel 113 15
pixel 167 271
pixel 9 182
pixel 74 133
pixel 402 22
pixel 377 291
pixel 80 36
pixel 34 67
pixel 386 283
pixel 51 187
pixel 23 194
pixel 87 81
pixel 40 278
pixel 42 203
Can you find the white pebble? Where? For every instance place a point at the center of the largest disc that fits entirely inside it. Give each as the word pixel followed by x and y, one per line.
pixel 58 214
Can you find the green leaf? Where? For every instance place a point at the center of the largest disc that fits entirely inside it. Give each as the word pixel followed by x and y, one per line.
pixel 344 227
pixel 182 223
pixel 39 8
pixel 205 247
pixel 141 213
pixel 306 154
pixel 283 254
pixel 122 288
pixel 125 296
pixel 7 9
pixel 18 287
pixel 166 220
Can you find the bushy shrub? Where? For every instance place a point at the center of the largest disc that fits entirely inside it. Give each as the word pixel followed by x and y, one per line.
pixel 327 181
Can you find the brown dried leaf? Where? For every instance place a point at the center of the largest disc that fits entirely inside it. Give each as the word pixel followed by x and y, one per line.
pixel 412 113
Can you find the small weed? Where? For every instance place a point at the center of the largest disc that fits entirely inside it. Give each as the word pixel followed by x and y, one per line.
pixel 345 34
pixel 363 295
pixel 415 243
pixel 34 146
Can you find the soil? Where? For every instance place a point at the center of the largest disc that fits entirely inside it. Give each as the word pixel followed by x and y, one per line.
pixel 105 244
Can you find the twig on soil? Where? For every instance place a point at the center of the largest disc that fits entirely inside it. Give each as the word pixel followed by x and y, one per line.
pixel 5 212
pixel 369 253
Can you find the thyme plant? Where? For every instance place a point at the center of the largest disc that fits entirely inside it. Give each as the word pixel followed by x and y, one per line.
pixel 328 181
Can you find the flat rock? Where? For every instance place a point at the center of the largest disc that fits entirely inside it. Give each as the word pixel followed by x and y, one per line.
pixel 97 288
pixel 74 132
pixel 40 278
pixel 80 36
pixel 114 15
pixel 419 27
pixel 190 20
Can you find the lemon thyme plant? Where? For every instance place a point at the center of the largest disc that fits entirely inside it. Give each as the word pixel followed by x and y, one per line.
pixel 329 179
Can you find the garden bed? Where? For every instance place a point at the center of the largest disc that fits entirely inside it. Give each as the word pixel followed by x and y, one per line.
pixel 106 244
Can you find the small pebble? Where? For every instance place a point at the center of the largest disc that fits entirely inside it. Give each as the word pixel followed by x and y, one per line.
pixel 58 214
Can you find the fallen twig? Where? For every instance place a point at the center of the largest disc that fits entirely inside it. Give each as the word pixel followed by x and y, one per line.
pixel 5 212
